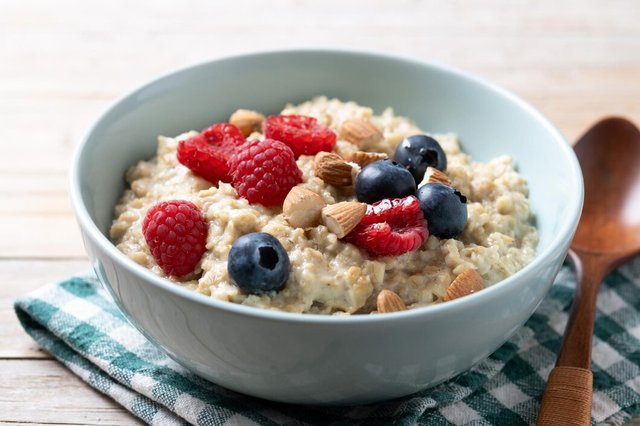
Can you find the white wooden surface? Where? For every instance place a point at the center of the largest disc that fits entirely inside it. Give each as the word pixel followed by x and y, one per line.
pixel 62 62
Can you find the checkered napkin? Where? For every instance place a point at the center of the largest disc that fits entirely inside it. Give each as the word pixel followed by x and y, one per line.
pixel 79 324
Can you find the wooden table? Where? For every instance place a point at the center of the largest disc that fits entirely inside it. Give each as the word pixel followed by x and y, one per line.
pixel 62 62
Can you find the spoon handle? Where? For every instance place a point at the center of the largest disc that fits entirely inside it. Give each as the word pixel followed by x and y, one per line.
pixel 567 396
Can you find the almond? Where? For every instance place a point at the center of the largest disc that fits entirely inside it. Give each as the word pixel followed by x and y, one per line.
pixel 361 133
pixel 332 169
pixel 247 121
pixel 342 217
pixel 466 283
pixel 388 301
pixel 362 158
pixel 433 175
pixel 302 207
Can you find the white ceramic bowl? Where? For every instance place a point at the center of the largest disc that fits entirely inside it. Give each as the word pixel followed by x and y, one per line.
pixel 310 358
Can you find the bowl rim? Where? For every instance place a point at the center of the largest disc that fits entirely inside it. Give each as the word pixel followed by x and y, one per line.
pixel 564 235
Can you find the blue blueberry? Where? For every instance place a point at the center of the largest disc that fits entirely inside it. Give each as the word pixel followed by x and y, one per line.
pixel 384 179
pixel 258 263
pixel 444 208
pixel 418 152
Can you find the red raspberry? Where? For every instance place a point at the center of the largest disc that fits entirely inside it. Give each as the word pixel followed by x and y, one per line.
pixel 207 154
pixel 204 160
pixel 225 136
pixel 303 134
pixel 391 227
pixel 264 172
pixel 176 233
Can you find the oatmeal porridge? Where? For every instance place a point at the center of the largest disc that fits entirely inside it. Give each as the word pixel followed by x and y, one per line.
pixel 333 267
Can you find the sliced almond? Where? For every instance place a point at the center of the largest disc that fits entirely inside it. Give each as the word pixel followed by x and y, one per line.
pixel 302 207
pixel 362 158
pixel 466 283
pixel 388 301
pixel 342 217
pixel 361 133
pixel 433 175
pixel 247 121
pixel 332 169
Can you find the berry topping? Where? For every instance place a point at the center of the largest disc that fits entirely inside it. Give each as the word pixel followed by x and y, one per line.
pixel 207 154
pixel 225 136
pixel 258 263
pixel 390 227
pixel 418 152
pixel 384 179
pixel 264 171
pixel 204 160
pixel 176 234
pixel 444 208
pixel 301 133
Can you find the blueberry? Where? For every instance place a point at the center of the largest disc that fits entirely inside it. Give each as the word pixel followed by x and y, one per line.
pixel 444 208
pixel 258 263
pixel 418 152
pixel 384 179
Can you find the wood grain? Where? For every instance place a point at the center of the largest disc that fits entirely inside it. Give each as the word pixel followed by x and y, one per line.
pixel 567 398
pixel 45 392
pixel 63 62
pixel 20 277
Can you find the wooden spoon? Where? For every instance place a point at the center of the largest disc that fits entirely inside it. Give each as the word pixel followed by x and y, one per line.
pixel 608 235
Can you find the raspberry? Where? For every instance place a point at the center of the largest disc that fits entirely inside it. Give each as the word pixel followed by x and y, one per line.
pixel 264 172
pixel 204 160
pixel 303 134
pixel 207 154
pixel 390 227
pixel 176 233
pixel 225 136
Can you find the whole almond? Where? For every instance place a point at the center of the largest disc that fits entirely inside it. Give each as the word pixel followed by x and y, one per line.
pixel 433 175
pixel 466 283
pixel 302 207
pixel 388 301
pixel 332 169
pixel 361 133
pixel 247 121
pixel 342 217
pixel 362 158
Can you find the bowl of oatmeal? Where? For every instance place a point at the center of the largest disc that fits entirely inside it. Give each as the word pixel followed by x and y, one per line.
pixel 325 227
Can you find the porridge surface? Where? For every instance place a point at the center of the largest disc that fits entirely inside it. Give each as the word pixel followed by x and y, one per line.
pixel 329 276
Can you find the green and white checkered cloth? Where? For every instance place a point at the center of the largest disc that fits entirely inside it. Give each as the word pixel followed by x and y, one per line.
pixel 79 324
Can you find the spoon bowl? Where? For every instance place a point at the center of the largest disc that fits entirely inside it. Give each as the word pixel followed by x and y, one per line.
pixel 609 155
